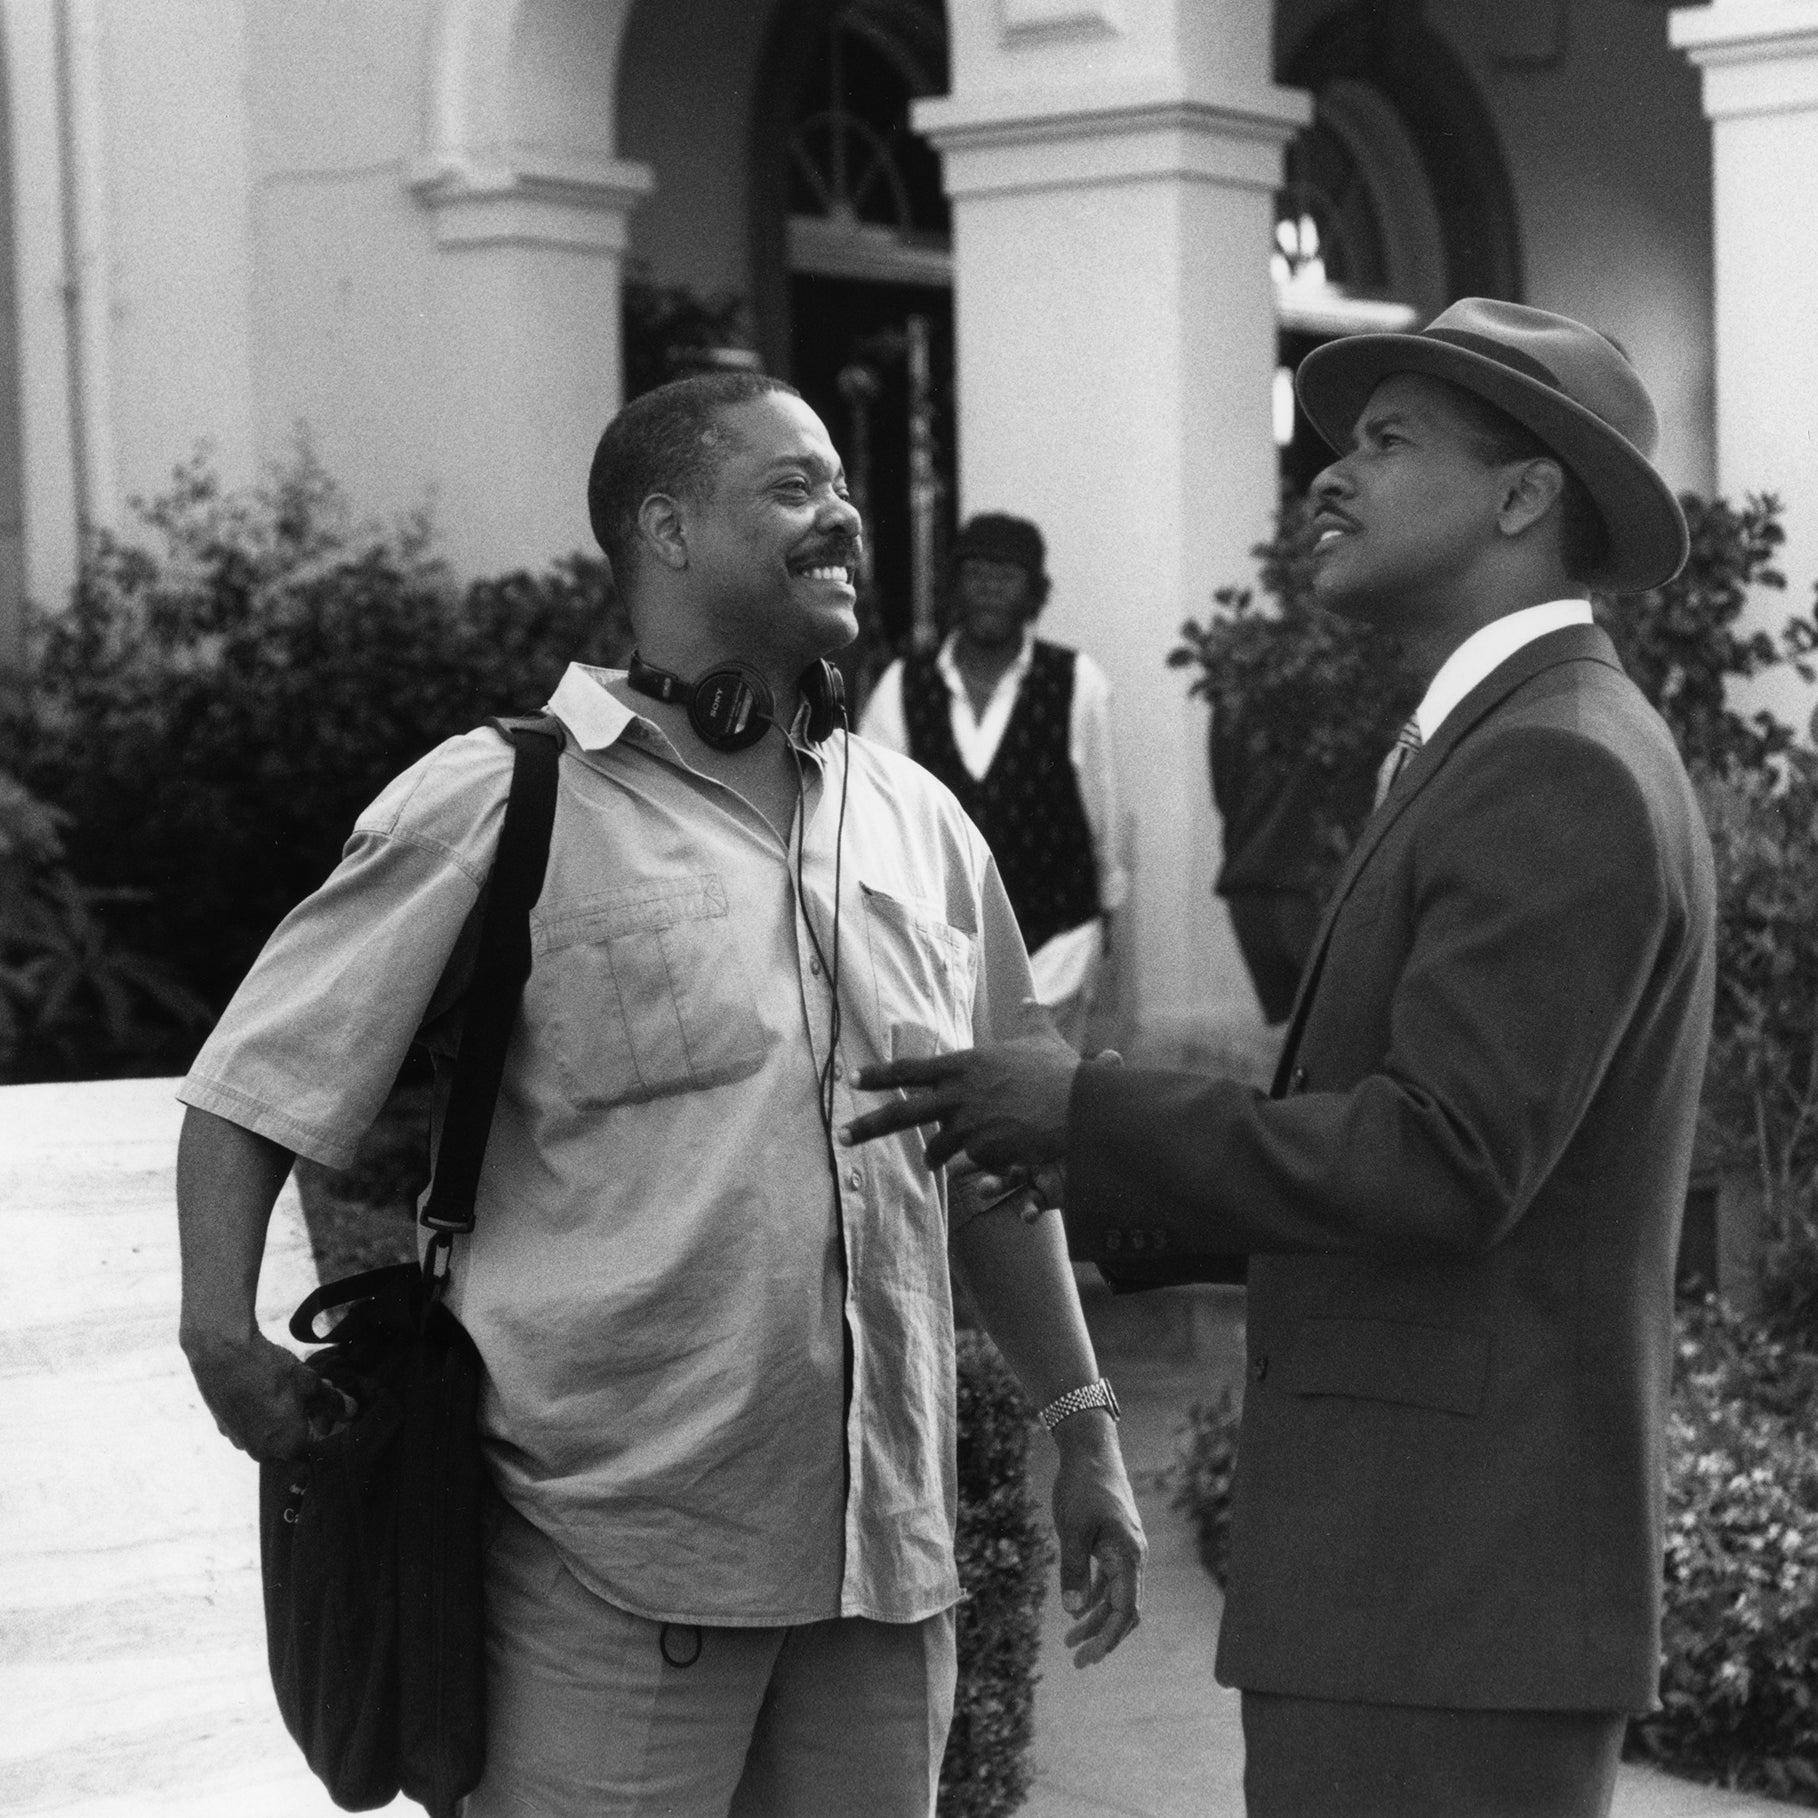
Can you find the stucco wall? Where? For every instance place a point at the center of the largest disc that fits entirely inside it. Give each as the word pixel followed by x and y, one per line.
pixel 176 207
pixel 343 266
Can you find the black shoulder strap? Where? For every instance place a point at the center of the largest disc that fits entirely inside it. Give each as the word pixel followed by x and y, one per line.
pixel 501 966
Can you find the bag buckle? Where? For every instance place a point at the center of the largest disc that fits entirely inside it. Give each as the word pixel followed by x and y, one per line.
pixel 436 1259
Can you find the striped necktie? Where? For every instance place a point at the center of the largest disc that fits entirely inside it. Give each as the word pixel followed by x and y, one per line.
pixel 1407 743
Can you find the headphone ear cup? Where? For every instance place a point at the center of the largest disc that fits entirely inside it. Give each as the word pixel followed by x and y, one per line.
pixel 824 689
pixel 731 708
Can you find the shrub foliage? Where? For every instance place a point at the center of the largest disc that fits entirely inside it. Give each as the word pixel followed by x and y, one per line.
pixel 74 1002
pixel 221 698
pixel 1739 1675
pixel 1004 1555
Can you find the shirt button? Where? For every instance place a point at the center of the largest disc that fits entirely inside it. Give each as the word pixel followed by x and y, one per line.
pixel 839 1069
pixel 814 966
pixel 1297 1081
pixel 855 1179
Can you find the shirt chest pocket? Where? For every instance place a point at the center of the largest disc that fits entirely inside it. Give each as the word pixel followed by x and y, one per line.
pixel 644 991
pixel 925 970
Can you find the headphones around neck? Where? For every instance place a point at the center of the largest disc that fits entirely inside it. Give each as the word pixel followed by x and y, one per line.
pixel 731 707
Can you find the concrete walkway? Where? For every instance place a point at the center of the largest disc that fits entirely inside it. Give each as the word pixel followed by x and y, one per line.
pixel 132 1653
pixel 132 1666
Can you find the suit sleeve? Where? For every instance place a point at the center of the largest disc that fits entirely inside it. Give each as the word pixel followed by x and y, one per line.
pixel 1540 907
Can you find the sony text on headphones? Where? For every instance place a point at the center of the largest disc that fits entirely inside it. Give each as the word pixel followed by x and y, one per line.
pixel 731 707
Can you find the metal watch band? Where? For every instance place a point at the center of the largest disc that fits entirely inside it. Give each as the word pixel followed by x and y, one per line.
pixel 1093 1395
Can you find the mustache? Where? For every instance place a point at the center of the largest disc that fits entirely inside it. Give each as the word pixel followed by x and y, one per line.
pixel 834 551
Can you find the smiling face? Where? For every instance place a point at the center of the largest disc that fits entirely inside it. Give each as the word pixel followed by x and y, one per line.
pixel 773 544
pixel 993 601
pixel 1405 517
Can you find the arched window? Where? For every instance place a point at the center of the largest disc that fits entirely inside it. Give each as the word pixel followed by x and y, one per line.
pixel 864 191
pixel 1395 199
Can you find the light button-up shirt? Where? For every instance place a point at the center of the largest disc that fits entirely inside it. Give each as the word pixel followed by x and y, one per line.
pixel 718 1351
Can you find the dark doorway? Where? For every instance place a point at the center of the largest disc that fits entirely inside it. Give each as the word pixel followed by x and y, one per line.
pixel 838 323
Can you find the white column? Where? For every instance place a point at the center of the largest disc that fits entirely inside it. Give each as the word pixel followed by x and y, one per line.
pixel 1759 60
pixel 526 325
pixel 1111 165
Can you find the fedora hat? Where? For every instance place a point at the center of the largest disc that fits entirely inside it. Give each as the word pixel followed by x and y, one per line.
pixel 1567 383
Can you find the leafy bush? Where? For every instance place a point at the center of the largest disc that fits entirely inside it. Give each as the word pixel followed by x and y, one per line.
pixel 1204 1469
pixel 1739 1680
pixel 1680 643
pixel 1760 1105
pixel 219 701
pixel 1004 1555
pixel 73 1001
pixel 670 330
pixel 1301 700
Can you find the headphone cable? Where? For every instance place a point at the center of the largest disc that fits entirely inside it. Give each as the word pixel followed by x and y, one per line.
pixel 825 1080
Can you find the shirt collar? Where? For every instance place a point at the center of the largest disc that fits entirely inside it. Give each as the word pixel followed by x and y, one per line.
pixel 598 719
pixel 948 665
pixel 583 704
pixel 1488 649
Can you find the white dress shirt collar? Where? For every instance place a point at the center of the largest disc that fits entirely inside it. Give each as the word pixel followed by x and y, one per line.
pixel 1487 650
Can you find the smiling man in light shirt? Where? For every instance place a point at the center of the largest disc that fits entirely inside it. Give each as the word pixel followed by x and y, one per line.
pixel 719 1394
pixel 1461 1199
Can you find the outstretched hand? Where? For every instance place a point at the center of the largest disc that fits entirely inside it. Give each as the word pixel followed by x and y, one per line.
pixel 1004 1106
pixel 1102 1545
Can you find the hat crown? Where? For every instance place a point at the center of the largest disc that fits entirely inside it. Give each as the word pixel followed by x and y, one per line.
pixel 996 536
pixel 1576 361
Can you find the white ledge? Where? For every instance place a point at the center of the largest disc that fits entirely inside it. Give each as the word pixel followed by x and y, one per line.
pixel 1756 56
pixel 531 197
pixel 1744 29
pixel 1062 111
pixel 1077 135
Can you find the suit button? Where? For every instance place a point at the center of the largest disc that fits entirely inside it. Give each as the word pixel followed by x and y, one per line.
pixel 1297 1080
pixel 1158 1240
pixel 1138 1239
pixel 1114 1240
pixel 1259 1366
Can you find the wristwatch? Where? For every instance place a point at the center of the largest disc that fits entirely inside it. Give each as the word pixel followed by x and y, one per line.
pixel 1098 1394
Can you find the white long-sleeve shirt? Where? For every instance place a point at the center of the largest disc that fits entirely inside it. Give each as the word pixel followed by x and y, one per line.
pixel 1063 962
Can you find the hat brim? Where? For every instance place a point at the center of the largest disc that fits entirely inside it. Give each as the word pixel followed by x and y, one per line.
pixel 1648 542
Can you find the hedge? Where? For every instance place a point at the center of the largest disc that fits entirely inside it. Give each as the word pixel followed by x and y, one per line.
pixel 223 695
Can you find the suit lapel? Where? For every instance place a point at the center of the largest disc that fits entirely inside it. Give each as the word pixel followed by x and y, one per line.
pixel 1572 644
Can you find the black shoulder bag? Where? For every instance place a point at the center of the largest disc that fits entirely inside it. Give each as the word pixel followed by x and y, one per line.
pixel 371 1544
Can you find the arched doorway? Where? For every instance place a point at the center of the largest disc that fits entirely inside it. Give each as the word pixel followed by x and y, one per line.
pixel 853 274
pixel 1396 199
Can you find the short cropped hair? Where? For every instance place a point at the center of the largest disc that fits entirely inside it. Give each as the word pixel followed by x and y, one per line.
pixel 1497 439
pixel 663 441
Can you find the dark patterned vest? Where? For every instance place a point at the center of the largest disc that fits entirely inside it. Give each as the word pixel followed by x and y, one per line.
pixel 1027 805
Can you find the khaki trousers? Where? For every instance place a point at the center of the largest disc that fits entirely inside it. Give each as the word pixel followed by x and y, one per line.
pixel 596 1713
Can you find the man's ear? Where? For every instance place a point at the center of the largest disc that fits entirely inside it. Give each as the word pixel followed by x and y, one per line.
pixel 663 533
pixel 1529 491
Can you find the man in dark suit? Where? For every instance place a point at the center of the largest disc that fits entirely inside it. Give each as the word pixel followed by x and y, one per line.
pixel 1461 1199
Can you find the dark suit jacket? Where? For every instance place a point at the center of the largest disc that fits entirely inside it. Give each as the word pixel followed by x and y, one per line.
pixel 1461 1203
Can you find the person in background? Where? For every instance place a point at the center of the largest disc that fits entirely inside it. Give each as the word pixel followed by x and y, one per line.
pixel 1020 730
